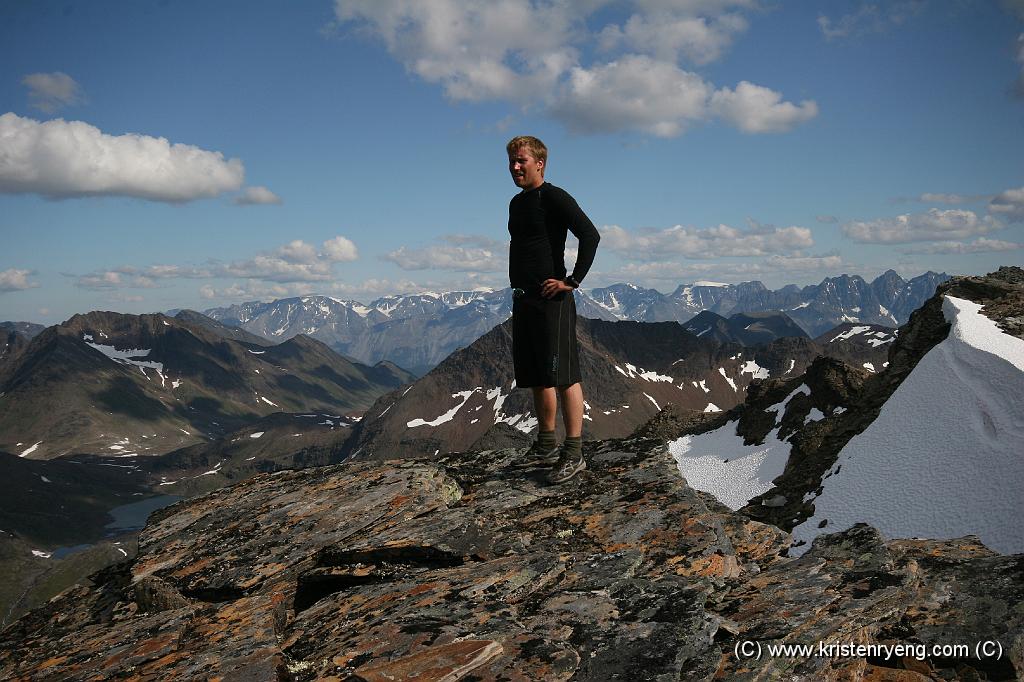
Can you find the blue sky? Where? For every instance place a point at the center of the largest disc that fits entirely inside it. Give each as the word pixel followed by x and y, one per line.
pixel 158 155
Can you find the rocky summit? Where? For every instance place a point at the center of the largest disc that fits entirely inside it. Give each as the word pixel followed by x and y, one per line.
pixel 470 567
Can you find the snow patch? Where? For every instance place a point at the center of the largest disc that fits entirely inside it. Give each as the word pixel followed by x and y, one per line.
pixel 127 357
pixel 28 451
pixel 632 372
pixel 258 434
pixel 850 333
pixel 447 416
pixel 719 463
pixel 656 406
pixel 721 370
pixel 754 369
pixel 712 408
pixel 527 425
pixel 214 470
pixel 780 407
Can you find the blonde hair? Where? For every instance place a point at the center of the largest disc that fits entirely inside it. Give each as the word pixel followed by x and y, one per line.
pixel 536 147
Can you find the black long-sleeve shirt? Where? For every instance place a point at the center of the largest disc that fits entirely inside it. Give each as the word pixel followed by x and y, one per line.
pixel 538 220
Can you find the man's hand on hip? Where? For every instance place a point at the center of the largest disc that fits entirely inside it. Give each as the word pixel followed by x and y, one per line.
pixel 552 287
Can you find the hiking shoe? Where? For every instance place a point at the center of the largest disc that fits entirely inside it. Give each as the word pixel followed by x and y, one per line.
pixel 567 466
pixel 542 454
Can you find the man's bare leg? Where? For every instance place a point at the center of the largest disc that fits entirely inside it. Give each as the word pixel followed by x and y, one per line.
pixel 572 409
pixel 545 404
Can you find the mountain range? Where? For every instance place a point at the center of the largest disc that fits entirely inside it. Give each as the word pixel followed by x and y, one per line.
pixel 418 331
pixel 136 385
pixel 631 369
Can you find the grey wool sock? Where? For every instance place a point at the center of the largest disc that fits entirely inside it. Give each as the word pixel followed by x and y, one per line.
pixel 574 445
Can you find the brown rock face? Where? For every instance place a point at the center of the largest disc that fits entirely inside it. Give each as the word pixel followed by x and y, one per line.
pixel 470 567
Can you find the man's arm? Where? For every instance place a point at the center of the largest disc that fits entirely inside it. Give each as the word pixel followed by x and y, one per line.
pixel 583 229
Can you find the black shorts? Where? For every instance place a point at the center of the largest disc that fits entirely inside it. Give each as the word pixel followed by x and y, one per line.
pixel 544 348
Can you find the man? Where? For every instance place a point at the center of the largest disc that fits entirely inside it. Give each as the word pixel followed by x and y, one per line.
pixel 544 348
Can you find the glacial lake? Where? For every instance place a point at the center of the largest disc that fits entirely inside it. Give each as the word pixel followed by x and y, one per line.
pixel 133 516
pixel 127 517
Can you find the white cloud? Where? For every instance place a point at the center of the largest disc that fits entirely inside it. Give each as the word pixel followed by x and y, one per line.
pixel 458 252
pixel 275 268
pixel 646 274
pixel 478 240
pixel 457 258
pixel 257 195
pixel 340 249
pixel 364 291
pixel 294 262
pixel 933 225
pixel 756 109
pixel 14 279
pixel 60 159
pixel 100 280
pixel 826 263
pixel 526 52
pixel 870 17
pixel 171 271
pixel 297 251
pixel 1009 204
pixel 49 92
pixel 933 198
pixel 635 92
pixel 979 245
pixel 667 35
pixel 712 242
pixel 252 291
pixel 125 277
pixel 475 49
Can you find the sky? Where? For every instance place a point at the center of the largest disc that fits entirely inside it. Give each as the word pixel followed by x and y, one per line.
pixel 187 154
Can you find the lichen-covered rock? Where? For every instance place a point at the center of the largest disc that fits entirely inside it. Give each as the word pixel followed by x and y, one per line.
pixel 471 567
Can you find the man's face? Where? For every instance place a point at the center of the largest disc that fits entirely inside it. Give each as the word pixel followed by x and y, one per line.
pixel 527 171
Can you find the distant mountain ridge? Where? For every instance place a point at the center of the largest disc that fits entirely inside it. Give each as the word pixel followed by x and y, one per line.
pixel 146 384
pixel 887 300
pixel 27 329
pixel 631 371
pixel 418 331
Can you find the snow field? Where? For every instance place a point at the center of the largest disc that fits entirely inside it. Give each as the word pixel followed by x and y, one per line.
pixel 944 457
